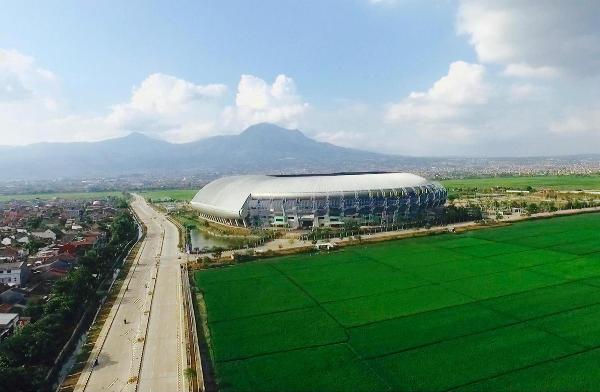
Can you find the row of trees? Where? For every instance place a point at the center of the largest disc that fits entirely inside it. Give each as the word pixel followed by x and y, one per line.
pixel 456 214
pixel 550 206
pixel 26 356
pixel 448 215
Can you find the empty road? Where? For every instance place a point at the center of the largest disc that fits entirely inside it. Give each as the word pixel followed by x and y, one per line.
pixel 140 346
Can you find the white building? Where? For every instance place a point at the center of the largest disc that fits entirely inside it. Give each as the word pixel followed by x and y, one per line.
pixel 320 200
pixel 8 322
pixel 14 274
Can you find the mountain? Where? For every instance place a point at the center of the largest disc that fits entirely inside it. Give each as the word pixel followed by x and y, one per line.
pixel 261 148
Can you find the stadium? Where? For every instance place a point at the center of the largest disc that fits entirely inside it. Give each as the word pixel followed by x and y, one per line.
pixel 323 200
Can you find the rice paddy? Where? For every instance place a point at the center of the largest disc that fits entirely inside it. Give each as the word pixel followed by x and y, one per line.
pixel 509 308
pixel 566 182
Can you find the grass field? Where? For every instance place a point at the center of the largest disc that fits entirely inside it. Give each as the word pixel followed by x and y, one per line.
pixel 591 182
pixel 509 308
pixel 175 194
pixel 551 182
pixel 66 196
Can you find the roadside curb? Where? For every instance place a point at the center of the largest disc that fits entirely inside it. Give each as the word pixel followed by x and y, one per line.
pixel 86 373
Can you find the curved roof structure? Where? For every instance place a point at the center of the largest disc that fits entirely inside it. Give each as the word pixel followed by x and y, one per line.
pixel 227 196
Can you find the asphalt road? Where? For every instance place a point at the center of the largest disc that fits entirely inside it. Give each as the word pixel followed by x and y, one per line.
pixel 140 346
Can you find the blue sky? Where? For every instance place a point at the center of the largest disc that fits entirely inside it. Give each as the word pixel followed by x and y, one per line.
pixel 360 73
pixel 110 46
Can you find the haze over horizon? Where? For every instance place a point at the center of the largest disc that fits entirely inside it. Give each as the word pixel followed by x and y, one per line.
pixel 465 78
pixel 143 137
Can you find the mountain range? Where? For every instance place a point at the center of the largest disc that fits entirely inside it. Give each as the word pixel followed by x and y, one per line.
pixel 260 148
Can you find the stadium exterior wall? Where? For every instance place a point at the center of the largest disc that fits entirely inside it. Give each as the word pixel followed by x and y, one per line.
pixel 308 201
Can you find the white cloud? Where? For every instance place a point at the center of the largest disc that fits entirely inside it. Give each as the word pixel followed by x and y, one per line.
pixel 29 99
pixel 167 107
pixel 446 117
pixel 463 87
pixel 170 107
pixel 383 1
pixel 21 79
pixel 578 121
pixel 526 71
pixel 530 58
pixel 166 94
pixel 257 101
pixel 534 39
pixel 526 91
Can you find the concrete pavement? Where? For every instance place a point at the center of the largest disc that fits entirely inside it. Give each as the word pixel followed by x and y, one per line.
pixel 147 353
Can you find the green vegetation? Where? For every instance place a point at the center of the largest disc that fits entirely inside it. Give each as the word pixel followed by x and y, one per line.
pixel 514 307
pixel 64 195
pixel 570 182
pixel 232 237
pixel 169 194
pixel 27 355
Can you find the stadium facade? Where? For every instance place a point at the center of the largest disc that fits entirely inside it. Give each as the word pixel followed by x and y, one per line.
pixel 325 200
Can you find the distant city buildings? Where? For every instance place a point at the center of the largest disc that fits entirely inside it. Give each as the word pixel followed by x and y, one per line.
pixel 434 168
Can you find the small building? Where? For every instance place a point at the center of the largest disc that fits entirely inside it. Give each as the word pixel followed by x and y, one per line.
pixel 45 235
pixel 325 245
pixel 8 322
pixel 14 274
pixel 71 214
pixel 13 296
pixel 8 254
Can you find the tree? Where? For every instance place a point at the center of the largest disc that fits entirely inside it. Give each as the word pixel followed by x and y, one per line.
pixel 122 203
pixel 33 223
pixel 33 245
pixel 532 208
pixel 217 252
pixel 123 229
pixel 26 355
pixel 189 373
pixel 19 378
pixel 34 309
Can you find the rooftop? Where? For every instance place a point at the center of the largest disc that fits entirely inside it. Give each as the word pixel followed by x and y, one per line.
pixel 7 318
pixel 8 266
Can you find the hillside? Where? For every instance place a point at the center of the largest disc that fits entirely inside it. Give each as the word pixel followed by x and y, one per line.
pixel 260 148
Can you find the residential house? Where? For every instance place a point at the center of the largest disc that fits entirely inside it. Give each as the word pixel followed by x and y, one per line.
pixel 8 322
pixel 45 235
pixel 14 274
pixel 13 295
pixel 8 254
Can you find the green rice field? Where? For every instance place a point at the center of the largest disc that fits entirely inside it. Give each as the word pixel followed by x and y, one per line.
pixel 513 308
pixel 175 194
pixel 565 183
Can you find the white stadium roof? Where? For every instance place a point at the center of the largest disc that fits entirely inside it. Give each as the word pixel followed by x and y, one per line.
pixel 226 196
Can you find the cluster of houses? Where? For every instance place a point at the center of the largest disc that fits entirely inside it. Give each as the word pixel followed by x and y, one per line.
pixel 41 241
